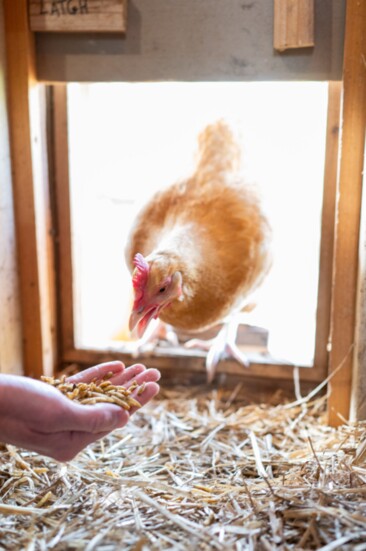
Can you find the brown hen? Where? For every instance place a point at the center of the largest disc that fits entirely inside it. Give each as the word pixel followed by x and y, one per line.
pixel 199 248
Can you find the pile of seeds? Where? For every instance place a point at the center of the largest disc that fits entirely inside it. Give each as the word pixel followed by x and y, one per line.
pixel 97 391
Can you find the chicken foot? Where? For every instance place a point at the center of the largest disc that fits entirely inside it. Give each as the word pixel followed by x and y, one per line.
pixel 223 346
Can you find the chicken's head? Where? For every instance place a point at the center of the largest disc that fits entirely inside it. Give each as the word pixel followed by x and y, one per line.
pixel 156 284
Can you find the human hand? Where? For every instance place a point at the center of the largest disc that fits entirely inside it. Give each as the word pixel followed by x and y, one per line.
pixel 38 417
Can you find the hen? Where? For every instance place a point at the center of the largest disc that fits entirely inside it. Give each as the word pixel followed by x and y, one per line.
pixel 198 249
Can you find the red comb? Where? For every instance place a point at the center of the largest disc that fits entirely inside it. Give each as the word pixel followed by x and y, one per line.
pixel 140 273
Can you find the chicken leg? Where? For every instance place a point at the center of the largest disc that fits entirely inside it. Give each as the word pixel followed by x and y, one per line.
pixel 223 346
pixel 157 331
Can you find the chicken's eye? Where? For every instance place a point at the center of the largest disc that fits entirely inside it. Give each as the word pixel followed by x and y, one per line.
pixel 162 290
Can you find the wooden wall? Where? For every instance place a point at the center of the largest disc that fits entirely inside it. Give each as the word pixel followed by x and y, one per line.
pixel 196 40
pixel 10 331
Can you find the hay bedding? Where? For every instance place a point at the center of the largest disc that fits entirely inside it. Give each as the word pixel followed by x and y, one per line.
pixel 194 470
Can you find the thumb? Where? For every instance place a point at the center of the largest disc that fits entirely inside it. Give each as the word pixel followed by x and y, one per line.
pixel 97 418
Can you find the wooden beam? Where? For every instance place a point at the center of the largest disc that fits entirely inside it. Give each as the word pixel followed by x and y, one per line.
pixel 293 24
pixel 22 89
pixel 348 212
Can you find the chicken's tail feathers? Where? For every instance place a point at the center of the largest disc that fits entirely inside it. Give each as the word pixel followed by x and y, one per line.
pixel 219 151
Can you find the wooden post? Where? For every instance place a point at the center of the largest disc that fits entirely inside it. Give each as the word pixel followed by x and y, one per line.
pixel 348 212
pixel 21 83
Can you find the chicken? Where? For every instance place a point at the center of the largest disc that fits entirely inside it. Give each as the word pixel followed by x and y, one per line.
pixel 199 248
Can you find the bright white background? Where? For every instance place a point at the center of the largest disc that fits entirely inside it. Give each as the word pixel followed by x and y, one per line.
pixel 127 140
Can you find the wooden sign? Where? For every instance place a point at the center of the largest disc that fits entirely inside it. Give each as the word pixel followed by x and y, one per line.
pixel 293 24
pixel 78 15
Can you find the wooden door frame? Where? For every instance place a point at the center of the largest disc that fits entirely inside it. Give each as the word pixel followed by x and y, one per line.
pixel 191 361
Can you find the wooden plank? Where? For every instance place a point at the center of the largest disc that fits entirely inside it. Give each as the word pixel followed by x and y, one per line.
pixel 45 226
pixel 327 232
pixel 348 212
pixel 78 15
pixel 63 218
pixel 293 24
pixel 20 77
pixel 179 361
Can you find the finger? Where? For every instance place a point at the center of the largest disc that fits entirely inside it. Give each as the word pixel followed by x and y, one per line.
pixel 145 376
pixel 150 391
pixel 148 376
pixel 128 375
pixel 97 372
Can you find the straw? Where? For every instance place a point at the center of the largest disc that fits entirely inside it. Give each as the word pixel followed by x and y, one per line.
pixel 196 470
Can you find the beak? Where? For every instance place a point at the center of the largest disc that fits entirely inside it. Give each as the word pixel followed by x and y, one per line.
pixel 141 318
pixel 134 319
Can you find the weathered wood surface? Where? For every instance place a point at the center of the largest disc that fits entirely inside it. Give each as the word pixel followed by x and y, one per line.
pixel 78 15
